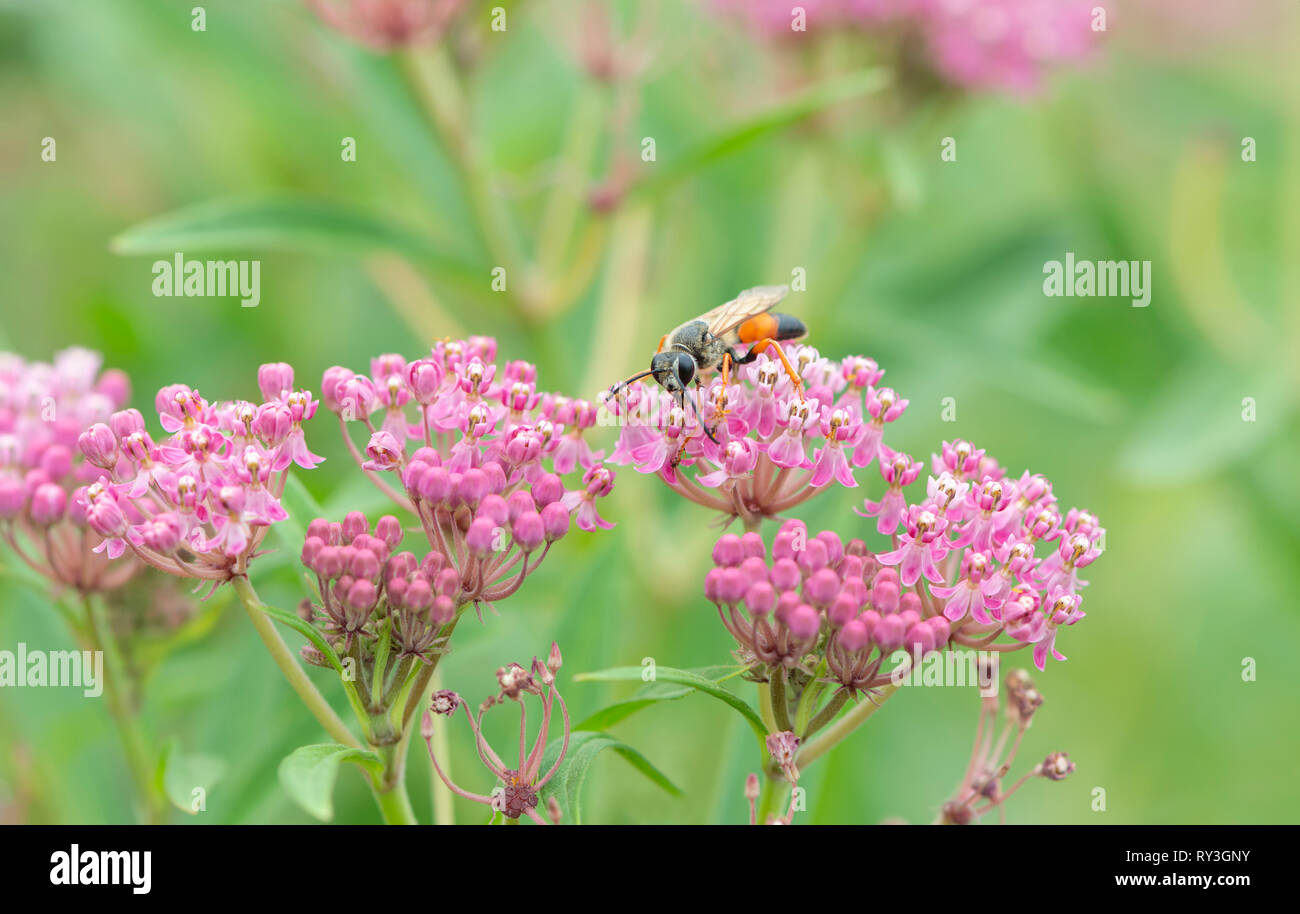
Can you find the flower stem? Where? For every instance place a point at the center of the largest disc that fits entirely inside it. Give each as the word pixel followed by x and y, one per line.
pixel 841 729
pixel 289 666
pixel 138 757
pixel 434 77
pixel 395 804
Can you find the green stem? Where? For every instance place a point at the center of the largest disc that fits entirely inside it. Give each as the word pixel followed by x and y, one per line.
pixel 841 729
pixel 825 715
pixel 139 759
pixel 444 807
pixel 289 666
pixel 767 800
pixel 780 706
pixel 433 75
pixel 395 804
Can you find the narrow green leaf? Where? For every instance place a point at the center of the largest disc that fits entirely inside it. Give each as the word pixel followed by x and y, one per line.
pixel 309 773
pixel 758 125
pixel 652 693
pixel 278 223
pixel 584 746
pixel 664 674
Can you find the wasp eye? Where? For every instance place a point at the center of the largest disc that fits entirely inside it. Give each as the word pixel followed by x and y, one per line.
pixel 685 368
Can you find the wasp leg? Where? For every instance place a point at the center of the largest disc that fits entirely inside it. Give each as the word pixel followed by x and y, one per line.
pixel 763 345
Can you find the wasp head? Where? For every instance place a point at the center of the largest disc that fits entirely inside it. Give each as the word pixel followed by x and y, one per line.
pixel 673 371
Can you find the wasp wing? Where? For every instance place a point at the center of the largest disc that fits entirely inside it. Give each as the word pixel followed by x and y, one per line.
pixel 725 318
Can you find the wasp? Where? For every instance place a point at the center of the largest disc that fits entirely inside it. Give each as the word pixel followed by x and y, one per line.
pixel 709 343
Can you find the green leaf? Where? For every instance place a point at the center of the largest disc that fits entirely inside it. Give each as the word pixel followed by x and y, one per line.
pixel 584 746
pixel 736 137
pixel 309 773
pixel 285 223
pixel 665 674
pixel 182 774
pixel 651 694
pixel 307 630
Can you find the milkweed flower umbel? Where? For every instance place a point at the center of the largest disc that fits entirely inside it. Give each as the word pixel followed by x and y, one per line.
pixel 756 447
pixel 518 791
pixel 50 415
pixel 198 502
pixel 478 454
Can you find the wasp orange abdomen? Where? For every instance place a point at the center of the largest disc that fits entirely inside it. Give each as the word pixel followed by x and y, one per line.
pixel 771 327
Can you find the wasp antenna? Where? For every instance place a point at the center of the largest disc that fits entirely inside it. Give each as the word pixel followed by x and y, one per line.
pixel 615 388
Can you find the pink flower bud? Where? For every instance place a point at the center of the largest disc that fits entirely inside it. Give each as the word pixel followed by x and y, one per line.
pixel 434 484
pixel 786 604
pixel 424 378
pixel 888 633
pixel 364 564
pixel 311 548
pixel 910 602
pixel 49 502
pixel 495 509
pixel 785 574
pixel 473 485
pixel 56 461
pixel 443 611
pixel 273 423
pixel 126 422
pixel 354 524
pixel 389 529
pixel 942 630
pixel 804 622
pixel 731 587
pixel 13 496
pixel 481 537
pixel 396 591
pixel 384 451
pixel 555 517
pixel 833 544
pixel 854 636
pixel 842 611
pixel 163 533
pixel 431 565
pixel 728 550
pixel 99 445
pixel 919 638
pixel 884 596
pixel 329 562
pixel 362 595
pixel 519 503
pixel 821 587
pixel 546 489
pixel 760 598
pixel 275 380
pixel 419 595
pixel 447 584
pixel 752 544
pixel 529 531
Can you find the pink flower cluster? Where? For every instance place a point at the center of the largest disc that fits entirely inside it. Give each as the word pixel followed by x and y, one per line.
pixel 362 582
pixel 984 44
pixel 975 535
pixel 199 502
pixel 479 454
pixel 815 600
pixel 44 407
pixel 762 447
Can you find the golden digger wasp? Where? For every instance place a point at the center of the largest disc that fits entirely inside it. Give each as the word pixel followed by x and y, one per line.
pixel 708 343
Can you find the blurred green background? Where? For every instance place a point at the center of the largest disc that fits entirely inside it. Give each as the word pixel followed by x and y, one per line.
pixel 933 268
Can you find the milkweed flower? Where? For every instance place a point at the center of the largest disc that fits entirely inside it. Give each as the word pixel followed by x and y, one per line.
pixel 52 440
pixel 198 502
pixel 478 453
pixel 816 600
pixel 756 448
pixel 974 537
pixel 518 791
